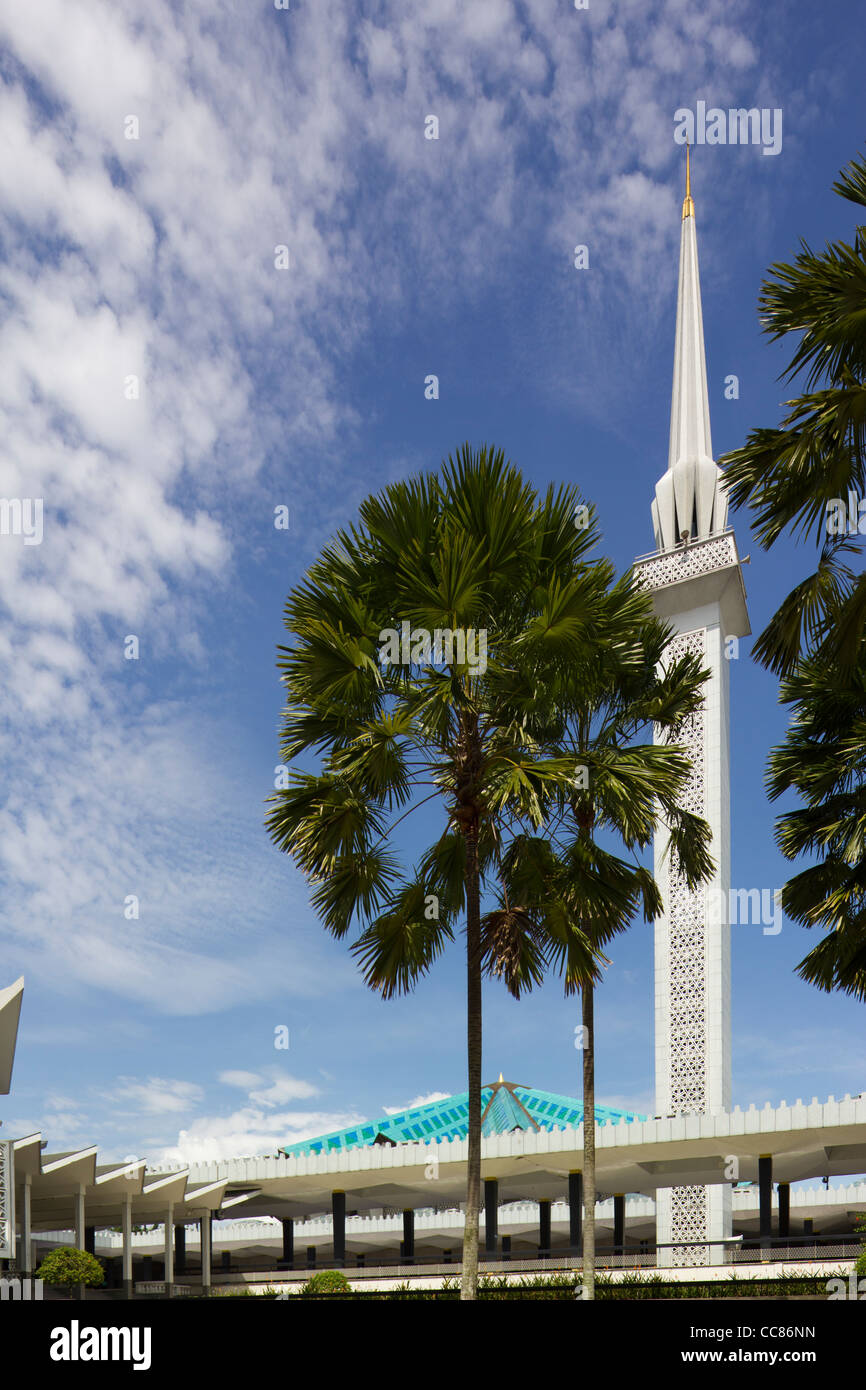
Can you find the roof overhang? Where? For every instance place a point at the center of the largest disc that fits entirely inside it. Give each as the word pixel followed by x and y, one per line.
pixel 805 1141
pixel 10 1012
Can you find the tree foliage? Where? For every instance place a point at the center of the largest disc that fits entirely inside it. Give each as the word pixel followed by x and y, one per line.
pixel 791 477
pixel 67 1267
pixel 486 744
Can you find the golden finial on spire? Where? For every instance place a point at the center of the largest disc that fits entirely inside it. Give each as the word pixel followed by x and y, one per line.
pixel 688 205
pixel 500 1079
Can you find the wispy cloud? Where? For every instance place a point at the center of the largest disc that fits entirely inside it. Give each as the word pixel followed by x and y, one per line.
pixel 157 1095
pixel 162 383
pixel 271 1089
pixel 416 1102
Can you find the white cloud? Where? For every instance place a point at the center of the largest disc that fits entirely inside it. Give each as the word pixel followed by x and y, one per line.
pixel 157 1096
pixel 272 1088
pixel 129 1115
pixel 281 1089
pixel 418 1101
pixel 135 1110
pixel 62 1127
pixel 244 1079
pixel 153 258
pixel 256 1127
pixel 249 1131
pixel 143 811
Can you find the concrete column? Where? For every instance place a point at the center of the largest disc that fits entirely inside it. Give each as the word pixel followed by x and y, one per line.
pixel 168 1261
pixel 506 1247
pixel 784 1209
pixel 180 1248
pixel 27 1226
pixel 765 1199
pixel 79 1218
pixel 575 1212
pixel 408 1235
pixel 311 1257
pixel 544 1227
pixel 338 1211
pixel 618 1222
pixel 206 1250
pixel 288 1242
pixel 491 1215
pixel 126 1228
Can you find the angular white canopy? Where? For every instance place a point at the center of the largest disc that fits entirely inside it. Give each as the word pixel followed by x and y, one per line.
pixel 10 1011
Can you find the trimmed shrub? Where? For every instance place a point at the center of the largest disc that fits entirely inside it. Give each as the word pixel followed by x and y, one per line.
pixel 66 1268
pixel 327 1281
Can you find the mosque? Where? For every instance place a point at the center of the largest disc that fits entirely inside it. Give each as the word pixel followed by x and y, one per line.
pixel 386 1194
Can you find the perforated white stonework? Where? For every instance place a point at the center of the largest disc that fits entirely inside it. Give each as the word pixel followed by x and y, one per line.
pixel 688 1020
pixel 689 1219
pixel 7 1236
pixel 688 561
pixel 687 977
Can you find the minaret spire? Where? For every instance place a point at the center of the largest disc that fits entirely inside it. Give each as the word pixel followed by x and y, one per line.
pixel 688 205
pixel 690 500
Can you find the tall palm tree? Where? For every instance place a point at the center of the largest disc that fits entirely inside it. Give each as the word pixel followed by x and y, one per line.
pixel 790 476
pixel 563 895
pixel 798 478
pixel 396 726
pixel 823 759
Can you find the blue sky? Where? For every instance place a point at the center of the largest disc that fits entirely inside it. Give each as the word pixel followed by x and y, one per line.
pixel 153 258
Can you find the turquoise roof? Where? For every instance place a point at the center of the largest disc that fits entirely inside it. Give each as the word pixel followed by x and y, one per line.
pixel 504 1107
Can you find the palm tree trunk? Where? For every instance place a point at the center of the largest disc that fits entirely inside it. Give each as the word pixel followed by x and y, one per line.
pixel 469 1281
pixel 588 1143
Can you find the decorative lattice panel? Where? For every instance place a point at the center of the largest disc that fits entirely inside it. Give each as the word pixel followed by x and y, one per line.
pixel 687 977
pixel 7 1194
pixel 689 1221
pixel 687 562
pixel 687 972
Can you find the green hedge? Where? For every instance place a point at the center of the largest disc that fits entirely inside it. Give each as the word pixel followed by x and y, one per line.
pixel 327 1281
pixel 565 1287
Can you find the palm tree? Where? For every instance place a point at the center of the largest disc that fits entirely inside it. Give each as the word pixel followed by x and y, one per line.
pixel 823 758
pixel 791 476
pixel 575 895
pixel 397 722
pixel 798 478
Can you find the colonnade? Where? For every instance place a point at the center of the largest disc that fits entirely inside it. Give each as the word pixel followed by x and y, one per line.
pixel 495 1246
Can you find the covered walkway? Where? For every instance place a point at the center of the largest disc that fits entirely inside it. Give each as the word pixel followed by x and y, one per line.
pixel 333 1204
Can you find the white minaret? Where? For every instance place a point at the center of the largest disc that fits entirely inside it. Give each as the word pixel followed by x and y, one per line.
pixel 698 588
